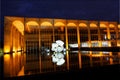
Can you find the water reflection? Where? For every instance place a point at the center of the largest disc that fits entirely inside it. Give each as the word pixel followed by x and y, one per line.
pixel 58 58
pixel 13 63
pixel 20 64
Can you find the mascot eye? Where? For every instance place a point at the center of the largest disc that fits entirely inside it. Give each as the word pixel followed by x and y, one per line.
pixel 59 46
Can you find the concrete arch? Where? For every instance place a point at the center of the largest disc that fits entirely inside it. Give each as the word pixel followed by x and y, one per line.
pixel 19 25
pixel 93 25
pixel 83 25
pixel 103 25
pixel 31 24
pixel 46 23
pixel 57 24
pixel 71 24
pixel 111 25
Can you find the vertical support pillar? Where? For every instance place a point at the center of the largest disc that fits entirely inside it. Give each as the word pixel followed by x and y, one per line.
pixel 66 36
pixel 67 55
pixel 89 35
pixel 39 36
pixel 24 37
pixel 14 40
pixel 99 35
pixel 8 30
pixel 11 37
pixel 118 40
pixel 108 35
pixel 117 35
pixel 78 37
pixel 53 30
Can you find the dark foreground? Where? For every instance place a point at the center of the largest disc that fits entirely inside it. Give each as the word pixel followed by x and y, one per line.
pixel 111 72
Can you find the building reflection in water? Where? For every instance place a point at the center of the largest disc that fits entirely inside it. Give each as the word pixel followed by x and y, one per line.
pixel 13 63
pixel 21 64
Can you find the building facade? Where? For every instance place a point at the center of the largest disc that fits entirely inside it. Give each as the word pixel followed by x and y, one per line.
pixel 22 33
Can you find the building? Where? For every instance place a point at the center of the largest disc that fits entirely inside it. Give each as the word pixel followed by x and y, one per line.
pixel 24 34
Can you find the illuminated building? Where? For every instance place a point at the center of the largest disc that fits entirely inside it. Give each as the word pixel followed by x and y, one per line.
pixel 23 33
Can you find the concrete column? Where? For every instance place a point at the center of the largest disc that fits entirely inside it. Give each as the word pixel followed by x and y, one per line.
pixel 117 35
pixel 7 37
pixel 108 35
pixel 99 35
pixel 89 35
pixel 18 37
pixel 53 31
pixel 15 40
pixel 78 37
pixel 11 37
pixel 39 36
pixel 24 36
pixel 66 36
pixel 67 54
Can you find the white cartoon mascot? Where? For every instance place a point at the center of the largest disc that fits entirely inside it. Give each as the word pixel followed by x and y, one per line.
pixel 58 56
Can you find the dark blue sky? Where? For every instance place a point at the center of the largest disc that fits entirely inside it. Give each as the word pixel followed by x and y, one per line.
pixel 106 10
pixel 72 9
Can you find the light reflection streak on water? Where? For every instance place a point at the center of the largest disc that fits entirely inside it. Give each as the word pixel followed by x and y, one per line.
pixel 20 64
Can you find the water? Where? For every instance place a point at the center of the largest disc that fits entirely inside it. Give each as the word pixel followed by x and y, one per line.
pixel 21 64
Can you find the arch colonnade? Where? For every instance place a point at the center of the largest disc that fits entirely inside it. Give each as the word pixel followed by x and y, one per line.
pixel 22 33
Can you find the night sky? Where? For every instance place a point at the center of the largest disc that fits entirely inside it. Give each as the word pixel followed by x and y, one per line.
pixel 106 10
pixel 71 9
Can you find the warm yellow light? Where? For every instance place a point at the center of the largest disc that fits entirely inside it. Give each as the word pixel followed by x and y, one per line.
pixel 6 57
pixel 19 53
pixel 118 43
pixel 82 25
pixel 59 24
pixel 71 24
pixel 6 49
pixel 46 24
pixel 119 26
pixel 14 54
pixel 19 49
pixel 109 43
pixel 111 25
pixel 32 23
pixel 103 25
pixel 93 25
pixel 97 55
pixel 14 50
pixel 19 25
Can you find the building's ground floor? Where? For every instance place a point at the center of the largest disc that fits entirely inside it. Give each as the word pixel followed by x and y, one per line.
pixel 26 34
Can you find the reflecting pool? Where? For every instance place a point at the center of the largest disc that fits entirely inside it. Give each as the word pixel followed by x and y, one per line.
pixel 21 64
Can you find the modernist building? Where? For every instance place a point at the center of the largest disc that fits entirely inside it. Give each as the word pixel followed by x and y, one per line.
pixel 23 33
